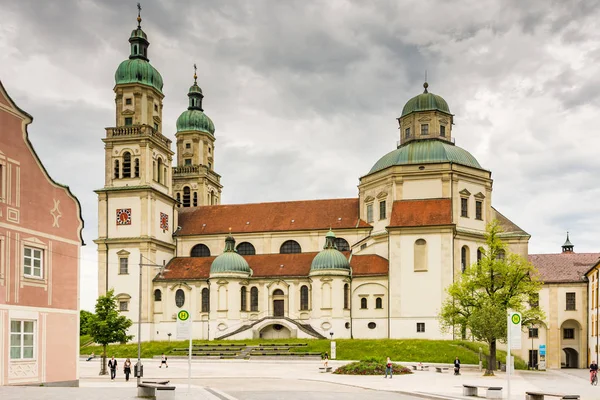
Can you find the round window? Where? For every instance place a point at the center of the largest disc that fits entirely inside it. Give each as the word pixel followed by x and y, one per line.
pixel 347 325
pixel 372 325
pixel 277 327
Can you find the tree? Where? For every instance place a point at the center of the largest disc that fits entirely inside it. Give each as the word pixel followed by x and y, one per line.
pixel 479 301
pixel 107 325
pixel 84 317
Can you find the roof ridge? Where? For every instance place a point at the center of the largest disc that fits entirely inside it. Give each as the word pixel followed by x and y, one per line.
pixel 266 202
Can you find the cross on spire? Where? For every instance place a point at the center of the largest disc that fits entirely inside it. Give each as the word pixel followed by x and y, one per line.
pixel 195 76
pixel 139 17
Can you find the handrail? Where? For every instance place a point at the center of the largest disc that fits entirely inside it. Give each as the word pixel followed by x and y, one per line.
pixel 137 130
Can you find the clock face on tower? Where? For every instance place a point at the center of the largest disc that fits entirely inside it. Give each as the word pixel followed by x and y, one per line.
pixel 164 222
pixel 124 216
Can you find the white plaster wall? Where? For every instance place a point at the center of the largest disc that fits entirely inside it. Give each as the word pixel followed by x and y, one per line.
pixel 133 230
pixel 473 187
pixel 422 189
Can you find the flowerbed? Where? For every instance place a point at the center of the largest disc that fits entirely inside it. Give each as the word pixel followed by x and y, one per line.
pixel 370 367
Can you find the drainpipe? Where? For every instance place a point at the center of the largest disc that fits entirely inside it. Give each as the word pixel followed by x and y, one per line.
pixel 350 296
pixel 106 244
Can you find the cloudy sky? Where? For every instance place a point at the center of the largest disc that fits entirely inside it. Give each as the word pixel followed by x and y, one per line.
pixel 304 94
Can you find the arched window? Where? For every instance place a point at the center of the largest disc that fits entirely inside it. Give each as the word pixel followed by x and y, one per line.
pixel 420 255
pixel 501 255
pixel 243 298
pixel 157 295
pixel 179 298
pixel 378 303
pixel 290 247
pixel 363 303
pixel 464 258
pixel 278 292
pixel 127 165
pixel 304 297
pixel 159 170
pixel 178 199
pixel 186 196
pixel 200 250
pixel 116 175
pixel 254 299
pixel 342 244
pixel 195 199
pixel 137 168
pixel 205 300
pixel 212 198
pixel 346 296
pixel 479 254
pixel 245 249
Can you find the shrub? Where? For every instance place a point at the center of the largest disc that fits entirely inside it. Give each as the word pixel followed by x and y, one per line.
pixel 370 366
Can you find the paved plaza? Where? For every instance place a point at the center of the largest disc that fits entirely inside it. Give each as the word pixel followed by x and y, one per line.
pixel 291 380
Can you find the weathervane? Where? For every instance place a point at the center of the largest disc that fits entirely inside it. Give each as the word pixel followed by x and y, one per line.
pixel 195 78
pixel 139 18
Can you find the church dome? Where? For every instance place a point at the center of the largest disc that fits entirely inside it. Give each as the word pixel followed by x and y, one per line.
pixel 230 261
pixel 330 258
pixel 428 151
pixel 195 120
pixel 425 102
pixel 138 70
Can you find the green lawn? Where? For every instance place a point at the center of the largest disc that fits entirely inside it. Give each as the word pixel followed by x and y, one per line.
pixel 436 351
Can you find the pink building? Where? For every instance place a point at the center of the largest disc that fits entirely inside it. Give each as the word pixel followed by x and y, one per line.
pixel 40 239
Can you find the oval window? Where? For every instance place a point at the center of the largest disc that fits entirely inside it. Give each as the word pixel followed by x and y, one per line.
pixel 372 325
pixel 179 298
pixel 347 325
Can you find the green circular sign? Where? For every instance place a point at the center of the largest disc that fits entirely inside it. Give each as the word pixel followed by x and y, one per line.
pixel 183 315
pixel 516 318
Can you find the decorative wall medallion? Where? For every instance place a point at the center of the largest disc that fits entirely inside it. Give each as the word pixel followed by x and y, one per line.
pixel 124 216
pixel 164 221
pixel 56 214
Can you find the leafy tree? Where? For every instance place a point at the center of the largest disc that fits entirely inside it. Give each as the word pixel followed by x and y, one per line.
pixel 84 317
pixel 479 301
pixel 107 325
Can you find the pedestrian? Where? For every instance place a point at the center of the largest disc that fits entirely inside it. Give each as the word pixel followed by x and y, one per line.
pixel 325 360
pixel 112 364
pixel 456 366
pixel 91 356
pixel 388 368
pixel 163 360
pixel 127 369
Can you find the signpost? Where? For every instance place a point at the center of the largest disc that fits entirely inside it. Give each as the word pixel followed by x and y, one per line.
pixel 514 342
pixel 542 362
pixel 184 331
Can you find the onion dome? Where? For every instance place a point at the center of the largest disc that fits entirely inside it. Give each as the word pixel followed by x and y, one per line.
pixel 137 68
pixel 194 119
pixel 425 102
pixel 230 262
pixel 428 151
pixel 330 258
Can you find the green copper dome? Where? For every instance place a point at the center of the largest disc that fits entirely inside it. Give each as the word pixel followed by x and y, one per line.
pixel 138 70
pixel 330 257
pixel 138 33
pixel 195 120
pixel 427 151
pixel 425 102
pixel 230 261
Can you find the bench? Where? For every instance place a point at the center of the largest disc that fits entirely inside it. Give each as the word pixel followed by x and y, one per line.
pixel 148 389
pixel 324 369
pixel 492 392
pixel 441 369
pixel 540 396
pixel 420 367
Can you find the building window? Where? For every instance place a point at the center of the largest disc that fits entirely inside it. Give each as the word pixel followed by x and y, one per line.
pixel 123 266
pixel 179 298
pixel 425 129
pixel 159 170
pixel 478 210
pixel 378 303
pixel 382 209
pixel 568 333
pixel 209 165
pixel 209 150
pixel 178 196
pixel 501 255
pixel 116 173
pixel 186 196
pixel 205 300
pixel 407 133
pixel 370 213
pixel 464 258
pixel 155 126
pixel 32 262
pixel 341 244
pixel 188 145
pixel 464 207
pixel 534 300
pixel 346 296
pixel 200 250
pixel 363 303
pixel 372 325
pixel 123 305
pixel 22 337
pixel 363 246
pixel 137 168
pixel 157 295
pixel 127 165
pixel 420 255
pixel 243 299
pixel 128 101
pixel 128 121
pixel 254 299
pixel 155 107
pixel 187 161
pixel 533 333
pixel 245 249
pixel 420 326
pixel 290 247
pixel 571 301
pixel 304 298
pixel 479 254
pixel 442 130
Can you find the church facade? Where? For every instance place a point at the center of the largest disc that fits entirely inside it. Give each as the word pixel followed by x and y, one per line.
pixel 373 266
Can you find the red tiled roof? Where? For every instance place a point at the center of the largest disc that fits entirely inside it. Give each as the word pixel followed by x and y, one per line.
pixel 563 267
pixel 267 265
pixel 431 212
pixel 270 217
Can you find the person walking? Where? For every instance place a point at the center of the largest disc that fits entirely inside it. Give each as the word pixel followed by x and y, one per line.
pixel 127 369
pixel 112 364
pixel 456 366
pixel 593 371
pixel 163 360
pixel 325 360
pixel 388 368
pixel 91 356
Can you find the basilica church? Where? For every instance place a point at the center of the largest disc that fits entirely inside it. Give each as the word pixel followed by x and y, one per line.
pixel 373 266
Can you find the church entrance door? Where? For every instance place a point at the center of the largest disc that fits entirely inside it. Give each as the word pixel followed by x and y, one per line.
pixel 278 310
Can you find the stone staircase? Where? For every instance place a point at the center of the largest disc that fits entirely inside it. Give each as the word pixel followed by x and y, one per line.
pixel 306 328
